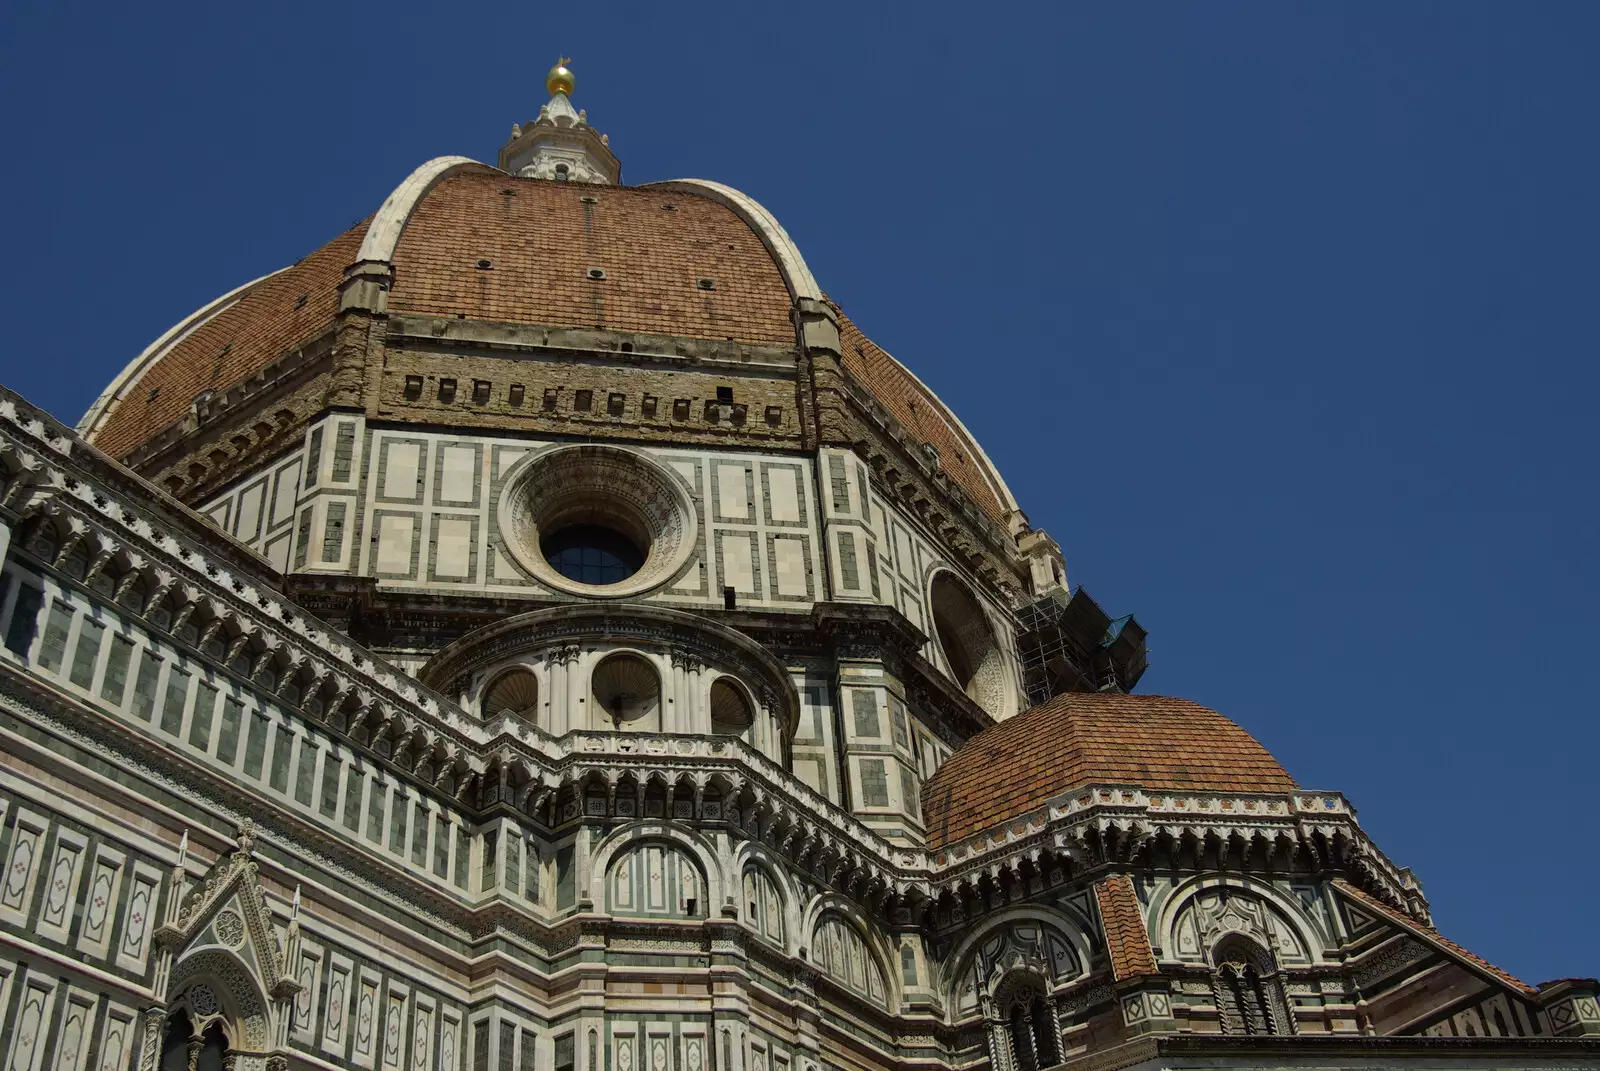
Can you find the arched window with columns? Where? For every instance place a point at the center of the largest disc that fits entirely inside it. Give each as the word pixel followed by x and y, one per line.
pixel 196 1040
pixel 1248 991
pixel 1024 1032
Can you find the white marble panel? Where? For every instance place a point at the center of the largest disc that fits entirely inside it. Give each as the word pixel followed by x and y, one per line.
pixel 453 556
pixel 738 572
pixel 785 493
pixel 731 499
pixel 790 558
pixel 396 536
pixel 250 512
pixel 400 474
pixel 457 473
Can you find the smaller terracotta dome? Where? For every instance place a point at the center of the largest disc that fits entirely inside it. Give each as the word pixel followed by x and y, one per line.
pixel 1077 739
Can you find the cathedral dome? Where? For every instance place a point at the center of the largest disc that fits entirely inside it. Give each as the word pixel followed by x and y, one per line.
pixel 558 554
pixel 690 268
pixel 240 335
pixel 1078 739
pixel 478 244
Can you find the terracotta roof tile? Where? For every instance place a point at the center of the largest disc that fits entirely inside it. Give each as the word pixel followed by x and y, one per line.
pixel 266 322
pixel 1084 738
pixel 542 238
pixel 1428 933
pixel 921 414
pixel 1127 941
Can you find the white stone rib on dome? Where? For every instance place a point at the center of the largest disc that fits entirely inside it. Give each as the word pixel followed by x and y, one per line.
pixel 390 222
pixel 119 388
pixel 378 244
pixel 991 473
pixel 802 284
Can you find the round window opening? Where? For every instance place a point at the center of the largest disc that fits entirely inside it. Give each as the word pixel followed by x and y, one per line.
pixel 592 554
pixel 598 521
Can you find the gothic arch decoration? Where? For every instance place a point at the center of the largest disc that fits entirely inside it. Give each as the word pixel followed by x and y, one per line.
pixel 211 987
pixel 224 961
pixel 763 905
pixel 1058 955
pixel 753 854
pixel 627 838
pixel 200 1039
pixel 1196 918
pixel 656 879
pixel 841 951
pixel 1247 989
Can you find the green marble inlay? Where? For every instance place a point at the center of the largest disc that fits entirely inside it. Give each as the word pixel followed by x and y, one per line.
pixel 255 747
pixel 331 768
pixel 306 773
pixel 352 801
pixel 397 822
pixel 117 662
pixel 279 778
pixel 144 689
pixel 172 708
pixel 228 740
pixel 54 646
pixel 205 701
pixel 87 653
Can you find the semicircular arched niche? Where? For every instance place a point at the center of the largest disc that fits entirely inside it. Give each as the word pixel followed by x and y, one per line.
pixel 731 710
pixel 972 652
pixel 626 692
pixel 513 691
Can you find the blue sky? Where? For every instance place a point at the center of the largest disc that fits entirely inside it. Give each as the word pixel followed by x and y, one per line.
pixel 1279 316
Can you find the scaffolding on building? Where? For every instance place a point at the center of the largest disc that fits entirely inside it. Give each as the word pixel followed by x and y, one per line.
pixel 1068 644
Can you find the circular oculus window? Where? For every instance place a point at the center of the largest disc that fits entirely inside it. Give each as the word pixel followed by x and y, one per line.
pixel 598 521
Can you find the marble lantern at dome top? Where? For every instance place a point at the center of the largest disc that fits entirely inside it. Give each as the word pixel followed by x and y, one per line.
pixel 560 144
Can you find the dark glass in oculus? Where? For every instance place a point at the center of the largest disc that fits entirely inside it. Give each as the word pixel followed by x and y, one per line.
pixel 591 554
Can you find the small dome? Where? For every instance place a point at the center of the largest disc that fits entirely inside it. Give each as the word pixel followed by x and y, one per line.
pixel 1084 738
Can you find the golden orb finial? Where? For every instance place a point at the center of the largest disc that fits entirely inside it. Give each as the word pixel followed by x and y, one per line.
pixel 561 79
